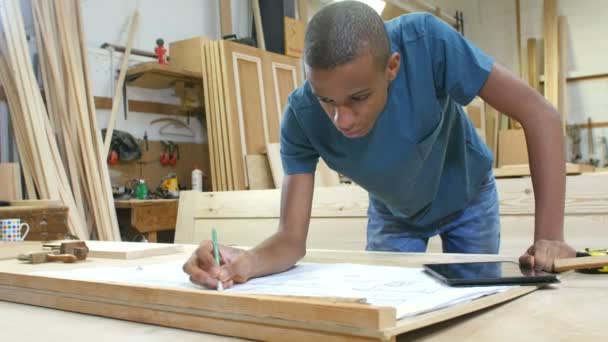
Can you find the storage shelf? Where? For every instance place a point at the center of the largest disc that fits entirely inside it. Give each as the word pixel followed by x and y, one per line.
pixel 159 76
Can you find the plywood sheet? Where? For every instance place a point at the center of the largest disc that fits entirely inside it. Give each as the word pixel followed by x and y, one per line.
pixel 258 172
pixel 512 148
pixel 324 176
pixel 130 250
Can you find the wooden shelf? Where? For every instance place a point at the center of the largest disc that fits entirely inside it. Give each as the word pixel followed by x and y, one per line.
pixel 146 107
pixel 158 76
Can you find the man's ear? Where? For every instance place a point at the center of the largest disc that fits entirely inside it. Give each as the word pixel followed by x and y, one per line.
pixel 392 67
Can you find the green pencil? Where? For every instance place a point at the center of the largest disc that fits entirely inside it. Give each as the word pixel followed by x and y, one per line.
pixel 216 252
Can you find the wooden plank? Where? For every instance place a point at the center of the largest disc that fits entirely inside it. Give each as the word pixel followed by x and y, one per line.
pixel 213 118
pixel 117 99
pixel 342 318
pixel 258 172
pixel 10 250
pixel 492 131
pixel 259 29
pixel 533 74
pixel 225 133
pixel 236 162
pixel 476 112
pixel 225 18
pixel 294 37
pixel 273 151
pixel 518 34
pixel 10 182
pixel 562 105
pixel 562 265
pixel 217 326
pixel 551 51
pixel 129 250
pixel 216 99
pixel 210 116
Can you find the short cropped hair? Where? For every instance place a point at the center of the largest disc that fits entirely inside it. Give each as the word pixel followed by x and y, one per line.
pixel 341 32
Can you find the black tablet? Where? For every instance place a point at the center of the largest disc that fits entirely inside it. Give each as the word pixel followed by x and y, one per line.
pixel 488 273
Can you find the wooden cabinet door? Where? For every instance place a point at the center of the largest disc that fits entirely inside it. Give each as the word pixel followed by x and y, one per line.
pixel 246 104
pixel 282 75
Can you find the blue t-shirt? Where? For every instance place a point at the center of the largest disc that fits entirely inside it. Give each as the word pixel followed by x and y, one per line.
pixel 423 158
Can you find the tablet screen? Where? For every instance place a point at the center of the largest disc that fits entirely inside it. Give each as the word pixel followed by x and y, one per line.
pixel 488 273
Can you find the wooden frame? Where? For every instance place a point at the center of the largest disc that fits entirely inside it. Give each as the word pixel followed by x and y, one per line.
pixel 247 316
pixel 236 57
pixel 344 209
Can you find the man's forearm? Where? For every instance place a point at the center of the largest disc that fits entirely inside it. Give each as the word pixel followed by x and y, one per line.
pixel 548 168
pixel 276 254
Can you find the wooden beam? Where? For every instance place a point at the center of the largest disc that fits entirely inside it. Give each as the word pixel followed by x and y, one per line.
pixel 533 74
pixel 259 29
pixel 121 79
pixel 551 51
pixel 225 17
pixel 518 34
pixel 314 316
pixel 562 105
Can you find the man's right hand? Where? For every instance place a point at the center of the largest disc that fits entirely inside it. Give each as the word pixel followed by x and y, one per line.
pixel 236 266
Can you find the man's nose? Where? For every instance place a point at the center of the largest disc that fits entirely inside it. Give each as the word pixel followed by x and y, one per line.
pixel 344 118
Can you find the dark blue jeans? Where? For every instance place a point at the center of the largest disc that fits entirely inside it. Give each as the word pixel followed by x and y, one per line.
pixel 475 229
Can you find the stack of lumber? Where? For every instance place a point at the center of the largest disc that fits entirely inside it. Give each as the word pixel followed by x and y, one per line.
pixel 59 144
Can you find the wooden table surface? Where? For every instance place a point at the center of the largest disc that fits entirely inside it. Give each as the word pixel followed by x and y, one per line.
pixel 571 311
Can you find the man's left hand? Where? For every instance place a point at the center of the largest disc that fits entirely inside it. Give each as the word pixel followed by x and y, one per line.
pixel 542 253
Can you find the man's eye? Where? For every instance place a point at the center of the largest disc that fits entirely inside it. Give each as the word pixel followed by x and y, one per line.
pixel 324 100
pixel 360 98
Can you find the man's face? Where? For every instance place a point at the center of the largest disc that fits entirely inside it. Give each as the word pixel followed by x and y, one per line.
pixel 354 94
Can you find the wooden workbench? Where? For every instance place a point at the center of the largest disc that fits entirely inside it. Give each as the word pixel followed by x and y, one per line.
pixel 572 310
pixel 147 216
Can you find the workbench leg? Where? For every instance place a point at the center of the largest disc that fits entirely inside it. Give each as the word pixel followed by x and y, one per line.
pixel 152 237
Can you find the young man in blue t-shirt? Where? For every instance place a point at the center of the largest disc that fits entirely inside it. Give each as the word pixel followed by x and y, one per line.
pixel 383 106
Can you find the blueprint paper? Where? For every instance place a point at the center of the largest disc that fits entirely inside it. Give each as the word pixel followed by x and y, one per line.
pixel 409 290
